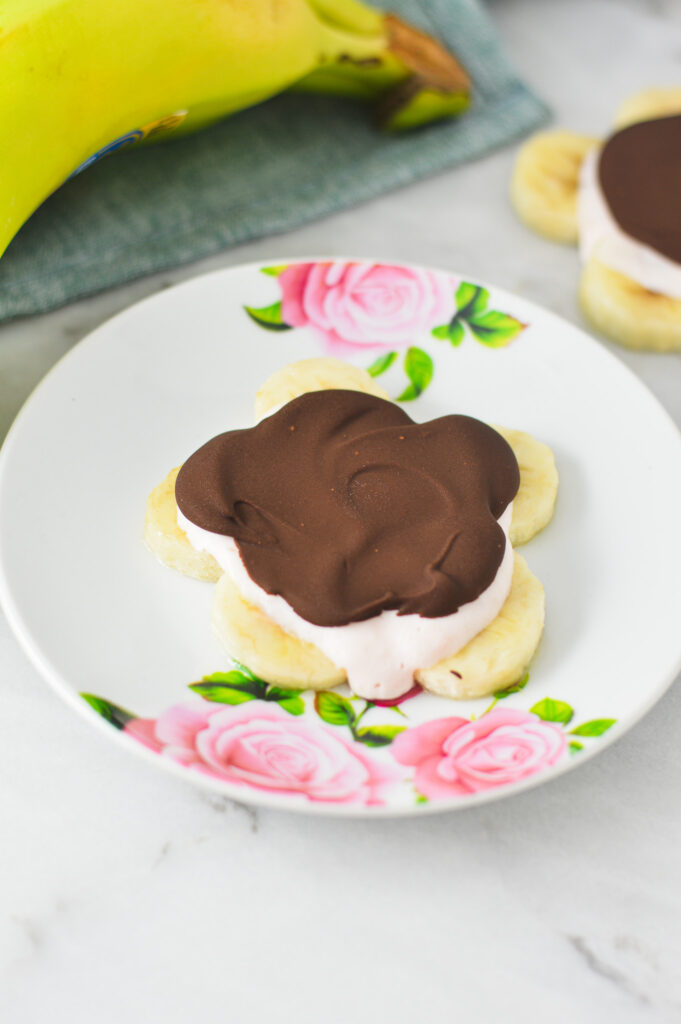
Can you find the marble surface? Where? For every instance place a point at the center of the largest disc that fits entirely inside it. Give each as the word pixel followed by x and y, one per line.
pixel 128 895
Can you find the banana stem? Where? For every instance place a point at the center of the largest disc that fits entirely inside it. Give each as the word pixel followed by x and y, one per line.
pixel 409 74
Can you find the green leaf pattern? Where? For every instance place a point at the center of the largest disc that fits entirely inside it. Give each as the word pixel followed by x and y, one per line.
pixel 269 317
pixel 419 369
pixel 596 727
pixel 334 709
pixel 381 364
pixel 550 710
pixel 488 326
pixel 241 685
pixel 111 713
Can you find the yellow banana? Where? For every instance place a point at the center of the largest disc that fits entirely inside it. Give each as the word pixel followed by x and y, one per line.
pixel 83 77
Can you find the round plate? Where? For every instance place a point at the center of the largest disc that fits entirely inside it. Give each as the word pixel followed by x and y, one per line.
pixel 100 617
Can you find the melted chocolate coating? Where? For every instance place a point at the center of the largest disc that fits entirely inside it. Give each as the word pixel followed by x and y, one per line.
pixel 640 176
pixel 345 507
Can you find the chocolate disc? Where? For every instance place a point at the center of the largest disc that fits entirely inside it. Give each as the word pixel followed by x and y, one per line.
pixel 640 176
pixel 345 507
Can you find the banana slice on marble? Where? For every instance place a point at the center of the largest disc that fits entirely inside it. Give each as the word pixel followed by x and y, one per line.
pixel 536 498
pixel 167 541
pixel 648 105
pixel 627 312
pixel 312 375
pixel 545 182
pixel 251 637
pixel 499 655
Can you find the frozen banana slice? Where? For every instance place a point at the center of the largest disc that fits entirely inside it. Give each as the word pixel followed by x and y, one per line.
pixel 251 637
pixel 649 105
pixel 495 658
pixel 312 375
pixel 499 655
pixel 536 499
pixel 167 541
pixel 545 182
pixel 627 312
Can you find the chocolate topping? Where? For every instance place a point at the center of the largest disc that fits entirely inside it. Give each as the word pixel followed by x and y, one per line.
pixel 640 176
pixel 345 507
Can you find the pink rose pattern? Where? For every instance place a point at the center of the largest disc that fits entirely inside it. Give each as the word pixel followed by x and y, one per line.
pixel 354 306
pixel 455 756
pixel 268 743
pixel 266 748
pixel 364 305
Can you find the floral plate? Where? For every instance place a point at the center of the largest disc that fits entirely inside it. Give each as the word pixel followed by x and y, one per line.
pixel 128 642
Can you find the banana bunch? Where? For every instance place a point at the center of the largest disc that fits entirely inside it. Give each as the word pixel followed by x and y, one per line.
pixel 495 658
pixel 81 78
pixel 543 190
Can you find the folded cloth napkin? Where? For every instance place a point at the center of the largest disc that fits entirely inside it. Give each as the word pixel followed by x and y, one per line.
pixel 265 170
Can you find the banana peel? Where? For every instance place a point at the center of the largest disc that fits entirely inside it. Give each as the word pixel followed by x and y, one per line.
pixel 82 78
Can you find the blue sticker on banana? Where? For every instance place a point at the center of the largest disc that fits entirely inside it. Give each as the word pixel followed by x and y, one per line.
pixel 157 127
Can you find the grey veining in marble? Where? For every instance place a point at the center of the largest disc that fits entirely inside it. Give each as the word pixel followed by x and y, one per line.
pixel 128 896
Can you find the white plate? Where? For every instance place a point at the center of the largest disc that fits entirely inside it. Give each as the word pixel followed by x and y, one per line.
pixel 97 613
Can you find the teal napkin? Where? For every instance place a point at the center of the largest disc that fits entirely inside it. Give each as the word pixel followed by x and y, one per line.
pixel 265 170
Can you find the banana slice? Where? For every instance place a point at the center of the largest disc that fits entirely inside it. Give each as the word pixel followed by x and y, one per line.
pixel 536 499
pixel 545 182
pixel 627 312
pixel 499 655
pixel 167 541
pixel 648 105
pixel 251 637
pixel 312 375
pixel 495 658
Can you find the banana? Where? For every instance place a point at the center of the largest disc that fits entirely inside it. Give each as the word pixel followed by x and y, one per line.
pixel 320 374
pixel 494 659
pixel 81 78
pixel 167 541
pixel 545 181
pixel 251 637
pixel 536 498
pixel 499 655
pixel 627 312
pixel 648 105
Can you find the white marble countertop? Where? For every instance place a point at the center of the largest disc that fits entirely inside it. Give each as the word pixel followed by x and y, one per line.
pixel 128 895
